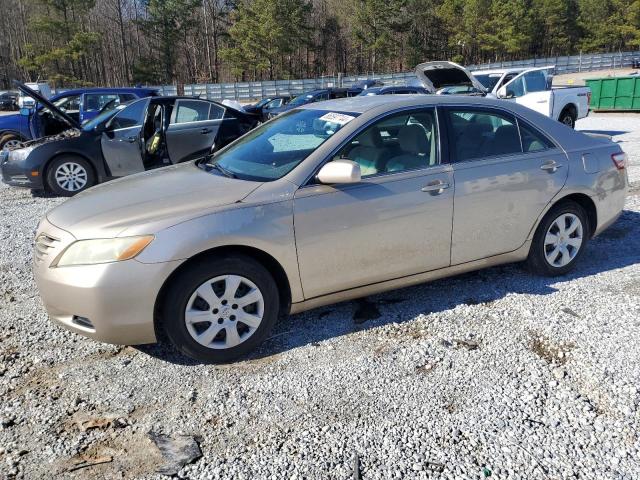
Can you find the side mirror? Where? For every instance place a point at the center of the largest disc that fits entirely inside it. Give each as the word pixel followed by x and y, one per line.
pixel 340 171
pixel 505 92
pixel 25 112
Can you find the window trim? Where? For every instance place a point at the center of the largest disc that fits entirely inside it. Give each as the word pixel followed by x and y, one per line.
pixel 538 133
pixel 309 181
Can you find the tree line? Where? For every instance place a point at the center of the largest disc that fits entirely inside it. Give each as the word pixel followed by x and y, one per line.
pixel 124 42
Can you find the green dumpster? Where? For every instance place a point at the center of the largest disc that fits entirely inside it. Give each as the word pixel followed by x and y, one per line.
pixel 616 93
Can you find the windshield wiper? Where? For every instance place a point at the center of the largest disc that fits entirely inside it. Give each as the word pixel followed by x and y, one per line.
pixel 224 171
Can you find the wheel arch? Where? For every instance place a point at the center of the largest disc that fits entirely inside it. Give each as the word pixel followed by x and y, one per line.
pixel 269 262
pixel 571 107
pixel 13 132
pixel 47 164
pixel 586 202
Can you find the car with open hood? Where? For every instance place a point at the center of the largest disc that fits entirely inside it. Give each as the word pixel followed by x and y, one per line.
pixel 530 87
pixel 124 139
pixel 80 104
pixel 328 202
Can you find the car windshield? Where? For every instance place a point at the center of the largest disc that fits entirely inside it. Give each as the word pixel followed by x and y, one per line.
pixel 301 99
pixel 277 147
pixel 107 112
pixel 488 80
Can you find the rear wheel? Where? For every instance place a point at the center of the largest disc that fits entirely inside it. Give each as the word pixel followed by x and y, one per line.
pixel 568 117
pixel 9 140
pixel 218 310
pixel 68 175
pixel 560 240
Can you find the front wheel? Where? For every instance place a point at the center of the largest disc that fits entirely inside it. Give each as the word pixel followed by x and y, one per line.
pixel 220 309
pixel 9 141
pixel 560 240
pixel 68 175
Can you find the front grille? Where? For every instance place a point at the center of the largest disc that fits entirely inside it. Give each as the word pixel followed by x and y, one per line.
pixel 44 244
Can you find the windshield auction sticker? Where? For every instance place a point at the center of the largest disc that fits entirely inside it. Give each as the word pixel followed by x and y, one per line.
pixel 339 118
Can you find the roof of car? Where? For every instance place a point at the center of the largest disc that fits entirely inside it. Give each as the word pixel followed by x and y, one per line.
pixel 108 89
pixel 365 103
pixel 498 70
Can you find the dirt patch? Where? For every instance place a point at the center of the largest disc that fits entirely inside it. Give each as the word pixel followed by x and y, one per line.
pixel 550 352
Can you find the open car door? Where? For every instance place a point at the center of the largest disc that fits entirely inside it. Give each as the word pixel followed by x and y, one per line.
pixel 530 88
pixel 436 75
pixel 122 142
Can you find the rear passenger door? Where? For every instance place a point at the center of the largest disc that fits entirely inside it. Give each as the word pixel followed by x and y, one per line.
pixel 506 172
pixel 192 129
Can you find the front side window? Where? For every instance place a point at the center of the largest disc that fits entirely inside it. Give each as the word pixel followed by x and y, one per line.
pixel 68 104
pixel 397 143
pixel 480 134
pixel 516 88
pixel 96 101
pixel 275 148
pixel 131 116
pixel 274 104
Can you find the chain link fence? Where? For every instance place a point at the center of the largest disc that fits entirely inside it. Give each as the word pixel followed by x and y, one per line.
pixel 243 91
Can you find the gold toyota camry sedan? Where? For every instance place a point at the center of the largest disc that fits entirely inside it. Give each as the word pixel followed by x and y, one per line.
pixel 329 202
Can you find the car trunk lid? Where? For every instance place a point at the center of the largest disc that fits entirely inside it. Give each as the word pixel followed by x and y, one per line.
pixel 437 75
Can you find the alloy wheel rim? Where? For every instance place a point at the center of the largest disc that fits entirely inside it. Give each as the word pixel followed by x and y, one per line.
pixel 71 176
pixel 224 312
pixel 563 240
pixel 11 144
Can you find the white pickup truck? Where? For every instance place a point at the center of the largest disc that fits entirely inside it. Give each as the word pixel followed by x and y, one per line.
pixel 530 87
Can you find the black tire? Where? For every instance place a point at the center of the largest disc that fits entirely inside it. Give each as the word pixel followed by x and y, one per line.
pixel 8 137
pixel 75 164
pixel 184 285
pixel 537 260
pixel 568 117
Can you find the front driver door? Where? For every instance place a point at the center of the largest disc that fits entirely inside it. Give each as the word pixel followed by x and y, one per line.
pixel 122 140
pixel 394 223
pixel 193 129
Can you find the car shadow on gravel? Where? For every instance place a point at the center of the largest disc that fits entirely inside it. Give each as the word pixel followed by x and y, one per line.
pixel 617 247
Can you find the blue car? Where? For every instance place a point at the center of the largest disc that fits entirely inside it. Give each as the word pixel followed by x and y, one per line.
pixel 80 104
pixel 315 96
pixel 393 90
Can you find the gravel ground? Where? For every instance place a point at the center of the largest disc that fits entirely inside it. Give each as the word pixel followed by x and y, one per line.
pixel 495 373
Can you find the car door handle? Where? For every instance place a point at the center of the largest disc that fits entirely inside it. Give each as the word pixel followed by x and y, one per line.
pixel 204 131
pixel 550 166
pixel 436 187
pixel 132 139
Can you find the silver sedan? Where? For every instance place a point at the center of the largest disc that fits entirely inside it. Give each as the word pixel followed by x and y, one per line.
pixel 329 202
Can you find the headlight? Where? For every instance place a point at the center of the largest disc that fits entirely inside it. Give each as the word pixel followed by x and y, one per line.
pixel 104 250
pixel 19 154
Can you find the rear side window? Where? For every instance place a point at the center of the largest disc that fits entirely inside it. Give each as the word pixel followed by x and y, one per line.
pixel 479 134
pixel 532 140
pixel 95 101
pixel 131 116
pixel 190 111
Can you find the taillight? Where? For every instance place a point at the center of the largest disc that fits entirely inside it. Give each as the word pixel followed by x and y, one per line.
pixel 588 100
pixel 619 160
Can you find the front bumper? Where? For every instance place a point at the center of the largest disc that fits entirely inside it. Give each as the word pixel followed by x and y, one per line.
pixel 20 173
pixel 112 303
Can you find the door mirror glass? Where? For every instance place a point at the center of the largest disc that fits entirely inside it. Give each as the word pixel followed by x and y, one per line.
pixel 25 112
pixel 339 172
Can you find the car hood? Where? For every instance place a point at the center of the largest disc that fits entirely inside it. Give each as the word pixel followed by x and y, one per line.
pixel 148 202
pixel 437 75
pixel 50 106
